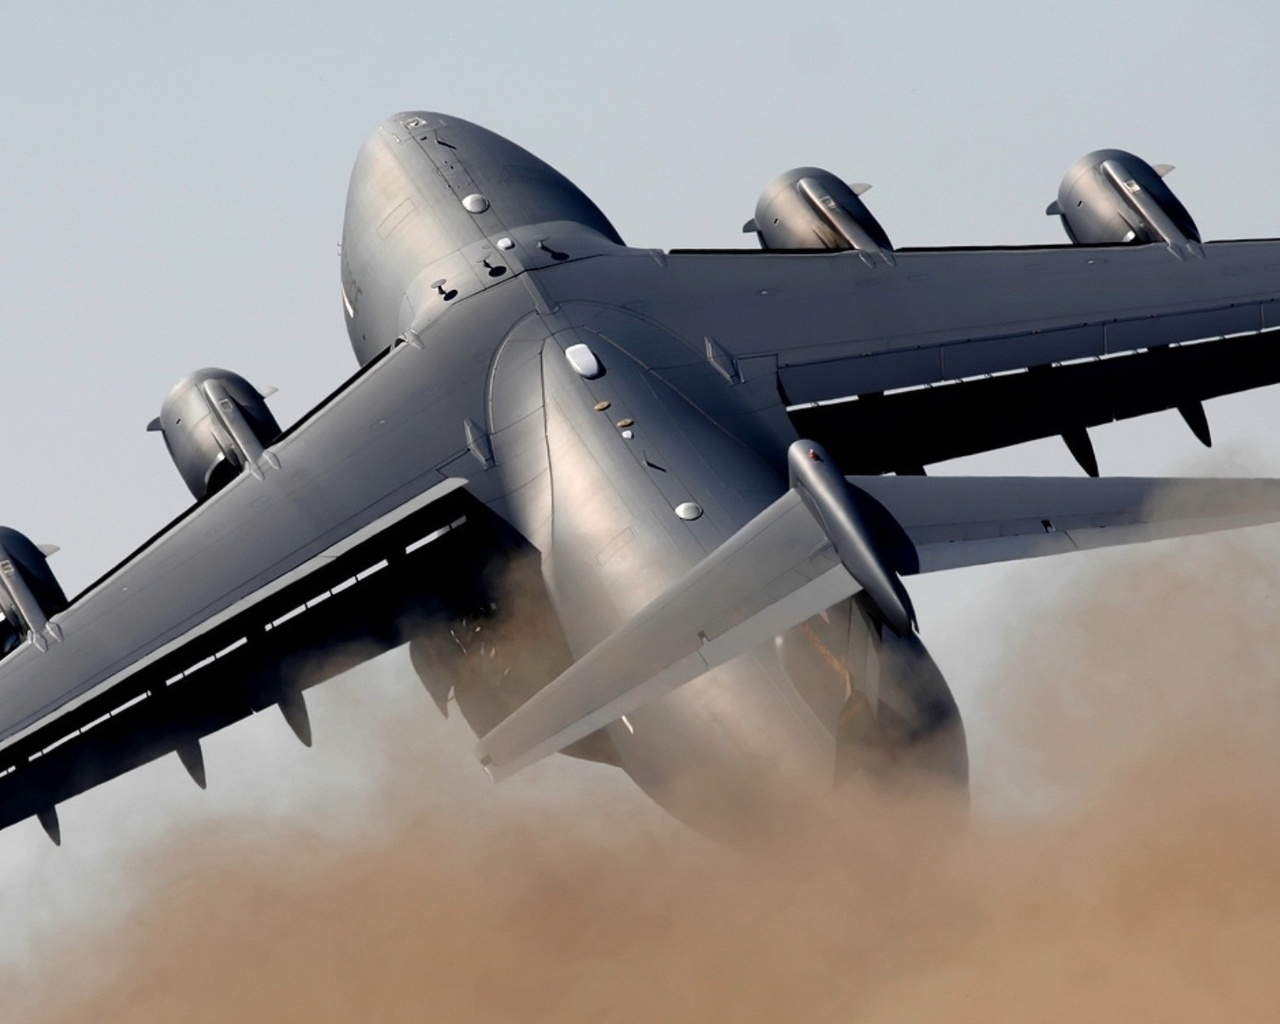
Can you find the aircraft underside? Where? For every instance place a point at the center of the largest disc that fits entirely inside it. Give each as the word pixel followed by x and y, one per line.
pixel 635 505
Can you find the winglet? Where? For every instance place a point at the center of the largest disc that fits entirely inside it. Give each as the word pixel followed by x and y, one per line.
pixel 1053 209
pixel 749 227
pixel 859 188
pixel 1162 169
pixel 154 425
pixel 48 550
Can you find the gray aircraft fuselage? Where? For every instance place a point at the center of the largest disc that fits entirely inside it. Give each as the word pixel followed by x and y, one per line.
pixel 620 482
pixel 569 475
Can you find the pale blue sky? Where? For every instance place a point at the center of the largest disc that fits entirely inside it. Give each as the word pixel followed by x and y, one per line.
pixel 171 192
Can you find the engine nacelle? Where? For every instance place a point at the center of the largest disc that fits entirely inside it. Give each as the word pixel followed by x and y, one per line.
pixel 216 426
pixel 1110 196
pixel 29 594
pixel 809 208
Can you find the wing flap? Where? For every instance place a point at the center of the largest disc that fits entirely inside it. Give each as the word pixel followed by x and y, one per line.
pixel 360 598
pixel 927 425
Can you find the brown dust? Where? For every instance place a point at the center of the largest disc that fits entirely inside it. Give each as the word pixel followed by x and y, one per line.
pixel 1122 862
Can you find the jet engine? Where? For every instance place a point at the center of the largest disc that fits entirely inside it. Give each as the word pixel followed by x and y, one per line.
pixel 216 426
pixel 1110 196
pixel 29 594
pixel 809 208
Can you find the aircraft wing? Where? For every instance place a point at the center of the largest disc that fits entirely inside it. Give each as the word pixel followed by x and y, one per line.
pixel 928 424
pixel 796 558
pixel 950 352
pixel 277 581
pixel 349 602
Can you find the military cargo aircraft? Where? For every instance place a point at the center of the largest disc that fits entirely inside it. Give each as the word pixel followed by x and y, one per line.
pixel 650 508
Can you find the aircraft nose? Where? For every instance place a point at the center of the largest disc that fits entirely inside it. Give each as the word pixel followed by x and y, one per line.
pixel 483 173
pixel 438 209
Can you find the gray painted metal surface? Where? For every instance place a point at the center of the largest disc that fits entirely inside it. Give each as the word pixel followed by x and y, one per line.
pixel 534 392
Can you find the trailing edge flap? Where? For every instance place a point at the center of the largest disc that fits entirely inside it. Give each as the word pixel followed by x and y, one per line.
pixel 958 521
pixel 819 543
pixel 365 594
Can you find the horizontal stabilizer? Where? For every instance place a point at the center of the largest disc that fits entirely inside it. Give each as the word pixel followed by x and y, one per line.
pixel 959 521
pixel 822 541
pixel 777 571
pixel 819 544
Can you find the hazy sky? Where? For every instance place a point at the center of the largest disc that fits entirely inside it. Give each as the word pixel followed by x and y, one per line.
pixel 172 187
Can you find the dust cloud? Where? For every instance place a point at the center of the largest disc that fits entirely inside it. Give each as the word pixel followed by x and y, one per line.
pixel 1122 862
